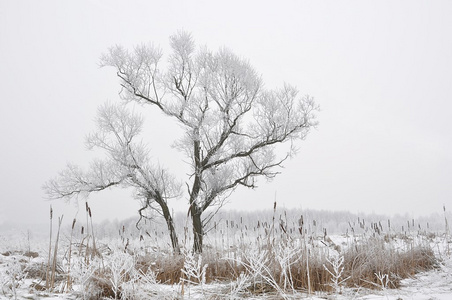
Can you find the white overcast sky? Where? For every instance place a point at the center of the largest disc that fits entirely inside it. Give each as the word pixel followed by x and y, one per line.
pixel 380 70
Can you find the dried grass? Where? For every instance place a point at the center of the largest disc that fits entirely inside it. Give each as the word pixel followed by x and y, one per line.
pixel 263 259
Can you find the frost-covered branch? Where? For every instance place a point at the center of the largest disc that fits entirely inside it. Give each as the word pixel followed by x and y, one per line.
pixel 235 130
pixel 127 166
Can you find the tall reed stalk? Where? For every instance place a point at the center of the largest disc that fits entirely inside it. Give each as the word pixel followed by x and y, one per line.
pixel 55 252
pixel 69 280
pixel 50 251
pixel 447 231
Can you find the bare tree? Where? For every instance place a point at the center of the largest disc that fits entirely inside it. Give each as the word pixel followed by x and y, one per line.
pixel 127 165
pixel 235 130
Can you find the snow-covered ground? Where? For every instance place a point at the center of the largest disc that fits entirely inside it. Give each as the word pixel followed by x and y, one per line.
pixel 19 273
pixel 432 285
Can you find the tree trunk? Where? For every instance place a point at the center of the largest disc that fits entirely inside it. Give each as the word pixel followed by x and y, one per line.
pixel 196 211
pixel 171 228
pixel 168 218
pixel 198 230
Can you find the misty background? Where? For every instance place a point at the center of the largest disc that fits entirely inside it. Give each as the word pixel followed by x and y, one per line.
pixel 380 71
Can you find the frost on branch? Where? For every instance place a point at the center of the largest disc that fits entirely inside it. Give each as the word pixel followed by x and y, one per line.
pixel 235 129
pixel 126 165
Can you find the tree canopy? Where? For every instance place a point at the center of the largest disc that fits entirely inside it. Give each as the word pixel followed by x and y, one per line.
pixel 235 130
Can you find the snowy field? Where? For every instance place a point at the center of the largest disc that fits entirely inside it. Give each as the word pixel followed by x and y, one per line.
pixel 240 261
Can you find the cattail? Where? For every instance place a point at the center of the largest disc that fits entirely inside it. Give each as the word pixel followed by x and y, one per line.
pixel 51 212
pixel 274 206
pixel 89 212
pixel 83 230
pixel 300 223
pixel 127 245
pixel 73 223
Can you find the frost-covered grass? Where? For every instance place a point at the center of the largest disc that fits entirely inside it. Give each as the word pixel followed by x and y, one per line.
pixel 273 255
